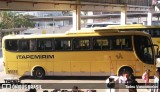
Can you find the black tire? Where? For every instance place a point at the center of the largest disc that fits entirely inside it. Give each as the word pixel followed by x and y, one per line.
pixel 127 69
pixel 38 73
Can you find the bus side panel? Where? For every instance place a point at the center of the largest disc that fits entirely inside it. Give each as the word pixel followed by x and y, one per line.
pixel 81 63
pixel 37 63
pixel 151 67
pixel 138 68
pixel 142 67
pixel 45 62
pixel 4 60
pixel 122 59
pixel 101 64
pixel 23 67
pixel 89 63
pixel 23 63
pixel 12 67
pixel 49 67
pixel 80 68
pixel 62 64
pixel 101 68
pixel 62 68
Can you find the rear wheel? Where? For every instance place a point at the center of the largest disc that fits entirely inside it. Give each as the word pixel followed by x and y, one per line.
pixel 38 73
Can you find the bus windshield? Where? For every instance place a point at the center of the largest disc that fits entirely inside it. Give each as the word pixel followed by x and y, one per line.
pixel 144 49
pixel 154 32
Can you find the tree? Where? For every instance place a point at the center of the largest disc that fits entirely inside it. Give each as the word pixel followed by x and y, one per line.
pixel 10 19
pixel 6 20
pixel 23 21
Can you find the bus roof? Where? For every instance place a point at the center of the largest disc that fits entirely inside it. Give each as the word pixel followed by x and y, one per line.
pixel 131 26
pixel 93 30
pixel 80 33
pixel 103 24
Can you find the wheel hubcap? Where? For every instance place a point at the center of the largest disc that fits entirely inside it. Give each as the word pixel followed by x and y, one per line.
pixel 39 73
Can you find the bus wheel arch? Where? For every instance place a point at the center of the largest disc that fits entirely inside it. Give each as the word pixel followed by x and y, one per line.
pixel 38 72
pixel 126 68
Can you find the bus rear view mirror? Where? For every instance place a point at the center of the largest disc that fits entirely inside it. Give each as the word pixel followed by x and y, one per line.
pixel 157 50
pixel 158 54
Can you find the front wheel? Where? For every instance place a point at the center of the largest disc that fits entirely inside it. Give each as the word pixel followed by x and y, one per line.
pixel 38 73
pixel 126 69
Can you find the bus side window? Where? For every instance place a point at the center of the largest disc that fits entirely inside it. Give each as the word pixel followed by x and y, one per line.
pixel 81 44
pixel 24 45
pixel 66 44
pixel 57 44
pixel 128 44
pixel 32 45
pixel 157 33
pixel 118 43
pixel 101 43
pixel 62 44
pixel 40 44
pixel 113 43
pixel 11 45
pixel 48 44
pixel 121 43
pixel 154 33
pixel 76 44
pixel 96 44
pixel 84 44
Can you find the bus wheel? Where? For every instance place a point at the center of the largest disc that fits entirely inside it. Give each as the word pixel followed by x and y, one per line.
pixel 126 69
pixel 38 73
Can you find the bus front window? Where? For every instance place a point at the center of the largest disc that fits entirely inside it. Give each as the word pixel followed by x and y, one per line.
pixel 144 49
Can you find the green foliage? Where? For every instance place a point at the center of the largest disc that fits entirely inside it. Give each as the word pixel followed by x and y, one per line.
pixel 9 19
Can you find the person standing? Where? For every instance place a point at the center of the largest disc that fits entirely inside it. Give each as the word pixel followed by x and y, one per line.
pixel 156 81
pixel 146 76
pixel 132 82
pixel 123 77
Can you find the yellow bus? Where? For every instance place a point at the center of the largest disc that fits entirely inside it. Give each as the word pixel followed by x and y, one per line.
pixel 99 52
pixel 154 31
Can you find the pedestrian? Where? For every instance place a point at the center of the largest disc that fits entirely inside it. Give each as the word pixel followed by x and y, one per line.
pixel 75 89
pixel 133 83
pixel 156 81
pixel 146 76
pixel 123 77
